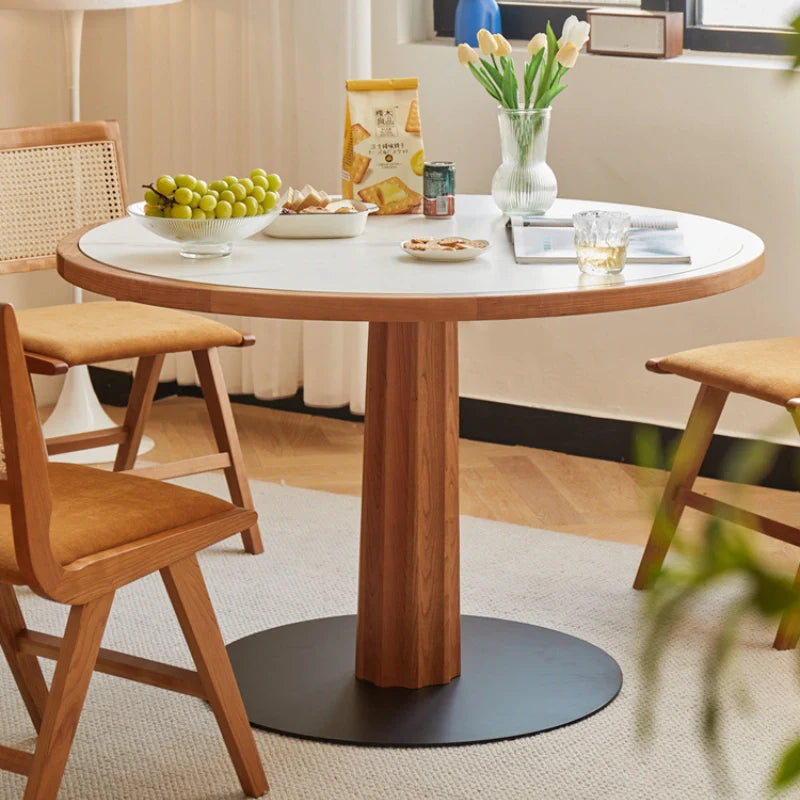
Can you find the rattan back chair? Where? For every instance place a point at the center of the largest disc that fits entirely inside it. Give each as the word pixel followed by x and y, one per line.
pixel 54 179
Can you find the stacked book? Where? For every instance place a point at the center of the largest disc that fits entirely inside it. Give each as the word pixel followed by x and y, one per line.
pixel 543 240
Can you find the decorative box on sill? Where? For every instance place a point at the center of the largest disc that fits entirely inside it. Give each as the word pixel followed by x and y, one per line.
pixel 632 32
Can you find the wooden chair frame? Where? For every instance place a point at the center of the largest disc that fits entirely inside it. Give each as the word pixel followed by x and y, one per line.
pixel 129 435
pixel 88 587
pixel 678 494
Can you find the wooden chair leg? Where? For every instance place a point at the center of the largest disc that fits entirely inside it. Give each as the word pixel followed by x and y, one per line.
pixel 25 668
pixel 689 458
pixel 145 381
pixel 74 668
pixel 209 371
pixel 789 629
pixel 188 593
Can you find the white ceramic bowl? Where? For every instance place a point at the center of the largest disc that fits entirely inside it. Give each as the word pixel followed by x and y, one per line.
pixel 204 238
pixel 321 226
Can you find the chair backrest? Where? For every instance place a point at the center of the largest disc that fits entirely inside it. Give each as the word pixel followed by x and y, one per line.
pixel 25 486
pixel 54 179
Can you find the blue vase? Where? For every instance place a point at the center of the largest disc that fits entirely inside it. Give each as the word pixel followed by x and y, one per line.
pixel 472 15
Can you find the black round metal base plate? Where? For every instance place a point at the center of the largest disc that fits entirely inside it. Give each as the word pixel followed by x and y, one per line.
pixel 516 680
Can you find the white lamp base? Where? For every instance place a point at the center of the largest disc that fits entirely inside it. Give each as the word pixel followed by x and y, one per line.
pixel 78 410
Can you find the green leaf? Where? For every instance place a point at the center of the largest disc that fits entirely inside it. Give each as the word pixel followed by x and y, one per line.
pixel 549 96
pixel 552 43
pixel 485 82
pixel 647 450
pixel 667 613
pixel 531 70
pixel 723 553
pixel 494 72
pixel 773 594
pixel 789 768
pixel 547 76
pixel 509 83
pixel 794 43
pixel 750 461
pixel 711 717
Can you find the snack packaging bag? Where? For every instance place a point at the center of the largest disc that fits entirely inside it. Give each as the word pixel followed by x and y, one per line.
pixel 383 159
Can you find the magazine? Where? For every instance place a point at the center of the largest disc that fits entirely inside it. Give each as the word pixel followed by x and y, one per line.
pixel 663 221
pixel 539 245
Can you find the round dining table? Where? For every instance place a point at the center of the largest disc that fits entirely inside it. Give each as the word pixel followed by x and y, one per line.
pixel 409 669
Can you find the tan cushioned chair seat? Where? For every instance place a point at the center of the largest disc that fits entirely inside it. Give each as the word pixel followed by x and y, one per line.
pixel 92 332
pixel 768 369
pixel 95 510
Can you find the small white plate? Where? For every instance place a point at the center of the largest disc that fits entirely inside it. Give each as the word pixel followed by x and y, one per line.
pixel 445 255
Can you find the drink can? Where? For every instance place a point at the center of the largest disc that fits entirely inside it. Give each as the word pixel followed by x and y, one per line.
pixel 439 188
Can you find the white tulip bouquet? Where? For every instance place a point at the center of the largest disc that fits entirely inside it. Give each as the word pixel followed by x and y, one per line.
pixel 550 60
pixel 524 183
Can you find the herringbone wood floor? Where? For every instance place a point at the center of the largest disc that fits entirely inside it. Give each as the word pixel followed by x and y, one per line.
pixel 538 488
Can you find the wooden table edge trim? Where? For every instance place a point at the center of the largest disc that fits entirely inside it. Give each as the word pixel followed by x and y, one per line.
pixel 81 270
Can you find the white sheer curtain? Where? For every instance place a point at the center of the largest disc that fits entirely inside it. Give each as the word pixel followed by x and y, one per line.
pixel 217 87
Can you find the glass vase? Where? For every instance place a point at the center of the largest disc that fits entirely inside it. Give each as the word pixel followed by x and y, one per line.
pixel 524 183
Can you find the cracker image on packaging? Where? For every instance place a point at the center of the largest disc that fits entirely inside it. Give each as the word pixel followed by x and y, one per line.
pixel 359 168
pixel 359 133
pixel 413 123
pixel 392 196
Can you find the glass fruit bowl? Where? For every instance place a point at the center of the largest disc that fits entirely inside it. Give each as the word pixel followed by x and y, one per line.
pixel 204 238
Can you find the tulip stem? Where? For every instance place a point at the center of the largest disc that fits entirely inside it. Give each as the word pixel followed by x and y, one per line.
pixel 560 73
pixel 525 128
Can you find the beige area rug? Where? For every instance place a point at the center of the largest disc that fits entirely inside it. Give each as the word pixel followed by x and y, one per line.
pixel 138 743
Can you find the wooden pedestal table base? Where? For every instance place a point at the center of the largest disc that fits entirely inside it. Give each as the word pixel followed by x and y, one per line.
pixel 408 596
pixel 518 679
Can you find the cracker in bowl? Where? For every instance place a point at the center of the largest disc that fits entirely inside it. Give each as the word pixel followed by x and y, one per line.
pixel 421 243
pixel 309 200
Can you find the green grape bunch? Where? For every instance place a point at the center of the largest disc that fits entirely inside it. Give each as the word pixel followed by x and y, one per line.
pixel 187 197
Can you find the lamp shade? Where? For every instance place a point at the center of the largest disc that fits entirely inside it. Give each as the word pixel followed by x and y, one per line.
pixel 78 5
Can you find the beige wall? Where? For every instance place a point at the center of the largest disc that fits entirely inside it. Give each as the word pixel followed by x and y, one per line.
pixel 705 136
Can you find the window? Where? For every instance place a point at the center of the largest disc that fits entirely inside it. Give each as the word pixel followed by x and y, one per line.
pixel 775 15
pixel 634 3
pixel 735 26
pixel 523 18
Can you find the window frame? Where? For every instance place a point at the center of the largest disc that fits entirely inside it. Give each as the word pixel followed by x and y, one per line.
pixel 521 21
